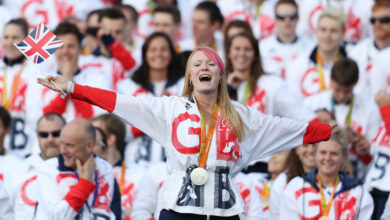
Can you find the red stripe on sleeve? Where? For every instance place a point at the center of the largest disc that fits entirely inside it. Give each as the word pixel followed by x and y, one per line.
pixel 316 133
pixel 78 194
pixel 136 132
pixel 119 52
pixel 103 98
pixel 385 112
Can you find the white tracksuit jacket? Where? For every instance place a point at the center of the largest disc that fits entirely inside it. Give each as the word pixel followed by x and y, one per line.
pixel 62 196
pixel 301 199
pixel 174 122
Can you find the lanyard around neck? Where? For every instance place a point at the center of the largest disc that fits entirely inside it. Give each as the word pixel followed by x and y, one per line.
pixel 325 208
pixel 7 101
pixel 349 115
pixel 206 140
pixel 94 194
pixel 246 94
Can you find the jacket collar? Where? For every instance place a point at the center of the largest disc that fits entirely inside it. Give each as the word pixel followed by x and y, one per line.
pixel 313 54
pixel 347 181
pixel 18 60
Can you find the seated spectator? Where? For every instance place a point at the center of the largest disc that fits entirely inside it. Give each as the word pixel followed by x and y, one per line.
pixel 367 50
pixel 359 116
pixel 25 189
pixel 76 184
pixel 309 74
pixel 299 161
pixel 326 192
pixel 126 173
pixel 277 51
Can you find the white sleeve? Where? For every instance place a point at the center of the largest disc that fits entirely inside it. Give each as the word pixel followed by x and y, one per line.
pixel 290 106
pixel 366 206
pixel 289 207
pixel 150 115
pixel 374 122
pixel 145 203
pixel 268 134
pixel 50 205
pixel 386 212
pixel 6 211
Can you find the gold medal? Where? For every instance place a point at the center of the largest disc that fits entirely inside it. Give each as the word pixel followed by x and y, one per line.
pixel 199 176
pixel 324 218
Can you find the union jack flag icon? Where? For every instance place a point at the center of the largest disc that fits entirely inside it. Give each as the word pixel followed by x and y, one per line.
pixel 40 44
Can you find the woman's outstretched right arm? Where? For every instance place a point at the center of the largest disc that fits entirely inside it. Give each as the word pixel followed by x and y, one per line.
pixel 149 115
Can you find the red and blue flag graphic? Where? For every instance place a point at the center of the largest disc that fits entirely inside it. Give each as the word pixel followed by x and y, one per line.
pixel 40 44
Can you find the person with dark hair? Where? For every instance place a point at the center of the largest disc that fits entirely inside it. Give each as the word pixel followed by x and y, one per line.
pixel 237 134
pixel 18 94
pixel 76 184
pixel 299 161
pixel 206 21
pixel 167 19
pixel 67 58
pixel 249 84
pixel 5 127
pixel 25 189
pixel 109 34
pixel 283 47
pixel 126 173
pixel 327 192
pixel 369 49
pixel 159 74
pixel 359 116
pixel 132 41
pixel 234 27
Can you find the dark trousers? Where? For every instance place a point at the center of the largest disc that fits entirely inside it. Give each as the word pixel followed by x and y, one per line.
pixel 380 198
pixel 172 215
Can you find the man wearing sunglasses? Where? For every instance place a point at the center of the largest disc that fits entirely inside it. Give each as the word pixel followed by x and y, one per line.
pixel 24 189
pixel 365 52
pixel 277 51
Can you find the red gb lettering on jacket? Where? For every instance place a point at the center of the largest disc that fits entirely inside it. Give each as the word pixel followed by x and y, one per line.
pixel 28 201
pixel 191 131
pixel 259 100
pixel 344 206
pixel 228 147
pixel 308 198
pixel 103 199
pixel 19 100
pixel 309 82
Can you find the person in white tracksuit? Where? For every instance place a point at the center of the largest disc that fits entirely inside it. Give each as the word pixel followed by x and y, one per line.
pixel 241 134
pixel 327 192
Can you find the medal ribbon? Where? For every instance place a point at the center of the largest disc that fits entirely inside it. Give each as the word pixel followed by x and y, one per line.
pixel 7 103
pixel 320 70
pixel 349 115
pixel 325 208
pixel 206 140
pixel 94 194
pixel 122 180
pixel 246 94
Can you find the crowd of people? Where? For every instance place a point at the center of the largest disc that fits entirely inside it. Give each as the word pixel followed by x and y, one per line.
pixel 191 109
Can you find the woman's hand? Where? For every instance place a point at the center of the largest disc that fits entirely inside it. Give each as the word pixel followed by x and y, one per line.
pixel 234 79
pixel 52 82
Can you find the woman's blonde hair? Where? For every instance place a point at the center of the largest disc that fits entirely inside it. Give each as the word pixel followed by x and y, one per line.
pixel 226 108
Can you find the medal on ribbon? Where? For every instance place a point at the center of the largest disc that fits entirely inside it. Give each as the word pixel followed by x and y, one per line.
pixel 199 175
pixel 325 207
